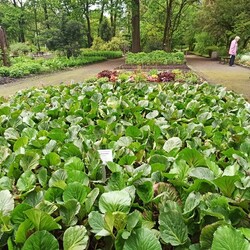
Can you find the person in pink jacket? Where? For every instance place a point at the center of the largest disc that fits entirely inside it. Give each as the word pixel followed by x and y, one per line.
pixel 233 50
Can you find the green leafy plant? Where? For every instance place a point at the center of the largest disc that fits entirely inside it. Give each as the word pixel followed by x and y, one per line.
pixel 179 176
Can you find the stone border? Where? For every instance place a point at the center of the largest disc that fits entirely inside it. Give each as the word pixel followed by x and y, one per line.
pixel 149 67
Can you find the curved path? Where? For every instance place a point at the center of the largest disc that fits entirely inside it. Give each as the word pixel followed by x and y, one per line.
pixel 73 75
pixel 233 78
pixel 236 78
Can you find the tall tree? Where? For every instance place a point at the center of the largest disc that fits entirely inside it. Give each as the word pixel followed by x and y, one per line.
pixel 3 46
pixel 136 36
pixel 174 10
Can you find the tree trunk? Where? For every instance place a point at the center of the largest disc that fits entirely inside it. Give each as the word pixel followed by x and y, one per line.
pixel 136 40
pixel 101 17
pixel 46 16
pixel 86 13
pixel 3 46
pixel 167 29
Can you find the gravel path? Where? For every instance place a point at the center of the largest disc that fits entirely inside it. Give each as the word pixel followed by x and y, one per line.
pixel 73 75
pixel 233 78
pixel 236 78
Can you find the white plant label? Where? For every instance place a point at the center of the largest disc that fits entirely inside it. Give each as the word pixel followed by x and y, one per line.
pixel 106 155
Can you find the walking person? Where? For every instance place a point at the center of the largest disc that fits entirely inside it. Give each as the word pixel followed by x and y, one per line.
pixel 233 50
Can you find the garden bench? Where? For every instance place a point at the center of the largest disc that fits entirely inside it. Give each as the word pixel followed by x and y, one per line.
pixel 224 59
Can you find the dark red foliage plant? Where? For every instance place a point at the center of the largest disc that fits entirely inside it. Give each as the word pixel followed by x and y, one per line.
pixel 166 76
pixel 111 75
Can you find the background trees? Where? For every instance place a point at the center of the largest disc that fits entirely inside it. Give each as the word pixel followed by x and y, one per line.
pixel 146 24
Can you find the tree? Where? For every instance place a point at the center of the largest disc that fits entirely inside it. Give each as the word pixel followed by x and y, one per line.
pixel 3 46
pixel 224 19
pixel 68 39
pixel 105 30
pixel 136 38
pixel 174 10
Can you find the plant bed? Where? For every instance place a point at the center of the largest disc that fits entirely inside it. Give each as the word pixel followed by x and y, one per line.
pixel 179 177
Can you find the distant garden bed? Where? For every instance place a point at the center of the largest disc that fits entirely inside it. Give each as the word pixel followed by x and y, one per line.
pixel 158 57
pixel 24 65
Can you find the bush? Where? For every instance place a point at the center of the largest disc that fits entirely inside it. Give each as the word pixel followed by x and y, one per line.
pixel 203 41
pixel 18 49
pixel 103 53
pixel 116 44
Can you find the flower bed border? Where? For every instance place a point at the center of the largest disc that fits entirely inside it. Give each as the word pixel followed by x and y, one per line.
pixel 149 67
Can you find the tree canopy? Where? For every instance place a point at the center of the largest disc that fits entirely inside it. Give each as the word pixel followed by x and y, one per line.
pixel 146 24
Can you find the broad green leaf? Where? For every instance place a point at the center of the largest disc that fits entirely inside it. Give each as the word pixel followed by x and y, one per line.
pixel 193 157
pixel 34 197
pixel 53 159
pixel 53 194
pixel 153 114
pixel 91 198
pixel 6 202
pixel 226 184
pixel 172 228
pixel 113 167
pixel 29 161
pixel 76 191
pixel 11 134
pixel 96 221
pixel 172 143
pixel 159 162
pixel 145 191
pixel 109 221
pixel 120 220
pixel 24 229
pixel 31 133
pixel 226 237
pixel 41 240
pixel 117 181
pixel 49 147
pixel 74 163
pixel 42 176
pixel 207 234
pixel 70 150
pixel 133 219
pixel 17 215
pixel 124 141
pixel 21 142
pixel 41 220
pixel 57 134
pixel 68 211
pixel 47 207
pixel 113 102
pixel 142 239
pixel 27 181
pixel 77 176
pixel 58 179
pixel 4 153
pixel 5 183
pixel 246 232
pixel 115 201
pixel 75 238
pixel 192 201
pixel 202 173
pixel 133 132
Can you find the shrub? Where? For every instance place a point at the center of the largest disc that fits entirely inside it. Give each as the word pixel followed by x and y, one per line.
pixel 18 49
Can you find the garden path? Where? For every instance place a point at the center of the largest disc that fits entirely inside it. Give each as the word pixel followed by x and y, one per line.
pixel 236 78
pixel 73 75
pixel 233 78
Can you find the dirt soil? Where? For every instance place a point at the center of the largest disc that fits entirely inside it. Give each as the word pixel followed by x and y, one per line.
pixel 233 78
